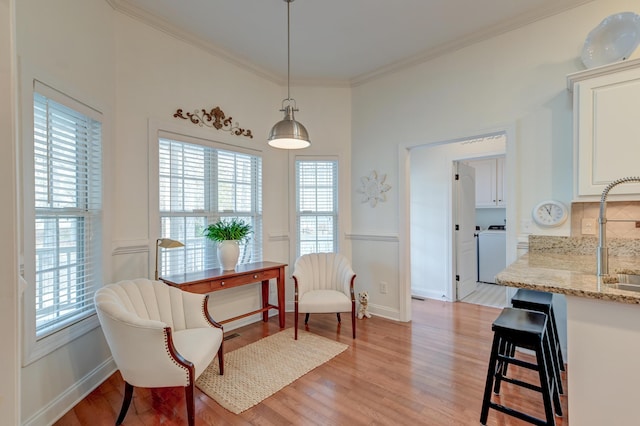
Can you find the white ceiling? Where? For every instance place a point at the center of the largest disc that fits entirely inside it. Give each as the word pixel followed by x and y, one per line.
pixel 337 41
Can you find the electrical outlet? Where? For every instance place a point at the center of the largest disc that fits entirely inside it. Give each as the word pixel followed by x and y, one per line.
pixel 383 287
pixel 588 226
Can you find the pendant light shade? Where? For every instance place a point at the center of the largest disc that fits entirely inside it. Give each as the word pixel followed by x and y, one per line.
pixel 288 133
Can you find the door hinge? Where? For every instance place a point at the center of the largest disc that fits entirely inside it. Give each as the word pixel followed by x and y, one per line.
pixel 457 227
pixel 457 277
pixel 457 176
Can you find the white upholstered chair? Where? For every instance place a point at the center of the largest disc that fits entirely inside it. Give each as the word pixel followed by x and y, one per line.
pixel 324 284
pixel 159 336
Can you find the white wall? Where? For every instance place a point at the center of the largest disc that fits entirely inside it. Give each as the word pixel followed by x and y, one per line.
pixel 9 362
pixel 156 75
pixel 76 56
pixel 138 75
pixel 518 77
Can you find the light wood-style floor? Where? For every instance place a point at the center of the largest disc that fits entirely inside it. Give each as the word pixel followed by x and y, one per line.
pixel 488 295
pixel 428 372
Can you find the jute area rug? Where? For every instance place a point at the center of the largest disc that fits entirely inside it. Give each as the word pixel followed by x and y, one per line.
pixel 260 369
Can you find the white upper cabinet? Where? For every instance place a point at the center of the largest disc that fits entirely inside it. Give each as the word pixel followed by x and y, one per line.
pixel 489 182
pixel 606 129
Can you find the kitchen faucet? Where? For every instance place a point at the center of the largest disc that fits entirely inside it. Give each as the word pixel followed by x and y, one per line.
pixel 603 253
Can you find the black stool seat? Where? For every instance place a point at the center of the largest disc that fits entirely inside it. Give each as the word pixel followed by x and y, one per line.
pixel 519 320
pixel 525 329
pixel 542 301
pixel 533 297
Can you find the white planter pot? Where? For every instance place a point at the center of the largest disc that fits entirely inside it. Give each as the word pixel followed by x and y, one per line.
pixel 228 253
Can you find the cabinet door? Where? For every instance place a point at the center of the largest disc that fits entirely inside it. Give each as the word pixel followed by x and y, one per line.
pixel 500 188
pixel 607 132
pixel 485 182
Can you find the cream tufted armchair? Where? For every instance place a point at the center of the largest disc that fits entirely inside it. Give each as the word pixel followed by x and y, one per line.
pixel 324 284
pixel 159 336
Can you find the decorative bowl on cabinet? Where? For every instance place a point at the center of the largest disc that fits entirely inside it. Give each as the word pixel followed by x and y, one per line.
pixel 613 40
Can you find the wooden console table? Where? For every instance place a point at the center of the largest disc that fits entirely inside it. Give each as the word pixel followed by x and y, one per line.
pixel 216 279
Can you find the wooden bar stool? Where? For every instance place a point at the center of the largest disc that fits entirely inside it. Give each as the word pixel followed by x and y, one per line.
pixel 542 302
pixel 528 330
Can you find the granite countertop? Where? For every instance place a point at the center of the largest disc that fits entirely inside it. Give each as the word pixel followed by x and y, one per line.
pixel 568 266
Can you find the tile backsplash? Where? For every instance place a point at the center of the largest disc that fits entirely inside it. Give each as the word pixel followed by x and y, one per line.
pixel 584 217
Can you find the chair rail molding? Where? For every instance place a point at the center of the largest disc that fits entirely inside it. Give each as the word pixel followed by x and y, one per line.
pixel 129 247
pixel 389 238
pixel 278 236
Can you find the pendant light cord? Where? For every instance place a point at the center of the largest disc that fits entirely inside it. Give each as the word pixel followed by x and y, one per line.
pixel 288 50
pixel 288 133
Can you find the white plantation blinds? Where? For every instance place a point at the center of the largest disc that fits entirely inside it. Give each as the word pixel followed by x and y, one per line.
pixel 67 154
pixel 198 185
pixel 317 206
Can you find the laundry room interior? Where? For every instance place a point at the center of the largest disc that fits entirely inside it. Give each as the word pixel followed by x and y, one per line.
pixel 490 217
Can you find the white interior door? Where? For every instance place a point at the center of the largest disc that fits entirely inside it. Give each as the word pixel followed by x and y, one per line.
pixel 465 219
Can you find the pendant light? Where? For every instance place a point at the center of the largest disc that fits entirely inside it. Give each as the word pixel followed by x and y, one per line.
pixel 288 133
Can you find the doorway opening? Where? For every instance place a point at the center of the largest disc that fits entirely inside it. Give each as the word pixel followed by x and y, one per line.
pixel 443 261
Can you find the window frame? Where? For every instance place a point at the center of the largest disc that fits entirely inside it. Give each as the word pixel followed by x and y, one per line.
pixel 164 130
pixel 34 346
pixel 296 243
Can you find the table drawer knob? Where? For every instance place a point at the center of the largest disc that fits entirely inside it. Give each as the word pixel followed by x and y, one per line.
pixel 255 275
pixel 221 282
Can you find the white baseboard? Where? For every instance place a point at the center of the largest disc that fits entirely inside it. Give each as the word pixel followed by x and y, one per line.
pixel 48 414
pixel 377 310
pixel 430 294
pixel 384 312
pixel 246 321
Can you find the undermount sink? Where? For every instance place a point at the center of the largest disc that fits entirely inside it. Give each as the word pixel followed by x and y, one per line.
pixel 628 282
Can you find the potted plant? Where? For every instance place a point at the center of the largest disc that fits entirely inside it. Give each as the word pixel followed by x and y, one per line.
pixel 228 234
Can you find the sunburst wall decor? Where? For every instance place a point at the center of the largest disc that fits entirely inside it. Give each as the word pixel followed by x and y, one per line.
pixel 373 188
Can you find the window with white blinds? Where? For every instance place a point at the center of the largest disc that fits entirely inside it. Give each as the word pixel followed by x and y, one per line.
pixel 67 172
pixel 317 206
pixel 199 185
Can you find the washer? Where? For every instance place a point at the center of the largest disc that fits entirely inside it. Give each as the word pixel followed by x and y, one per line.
pixel 492 254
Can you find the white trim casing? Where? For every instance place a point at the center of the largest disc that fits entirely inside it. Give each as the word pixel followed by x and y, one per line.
pixel 32 348
pixel 343 182
pixel 161 128
pixel 404 174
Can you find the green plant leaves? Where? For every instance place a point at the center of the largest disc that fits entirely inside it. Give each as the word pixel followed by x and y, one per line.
pixel 229 229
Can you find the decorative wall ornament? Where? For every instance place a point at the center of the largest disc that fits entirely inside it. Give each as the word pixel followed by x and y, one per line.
pixel 214 118
pixel 373 188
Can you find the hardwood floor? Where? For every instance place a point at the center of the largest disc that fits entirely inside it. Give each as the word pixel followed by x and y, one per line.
pixel 429 372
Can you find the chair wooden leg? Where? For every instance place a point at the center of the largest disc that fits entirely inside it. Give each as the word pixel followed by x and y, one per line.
pixel 221 358
pixel 339 319
pixel 306 318
pixel 353 322
pixel 191 416
pixel 295 322
pixel 128 394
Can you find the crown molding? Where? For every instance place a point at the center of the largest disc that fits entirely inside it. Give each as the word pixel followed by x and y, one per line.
pixel 468 40
pixel 616 67
pixel 161 24
pixel 166 27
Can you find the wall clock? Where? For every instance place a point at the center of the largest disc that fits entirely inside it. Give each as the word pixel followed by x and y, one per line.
pixel 550 213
